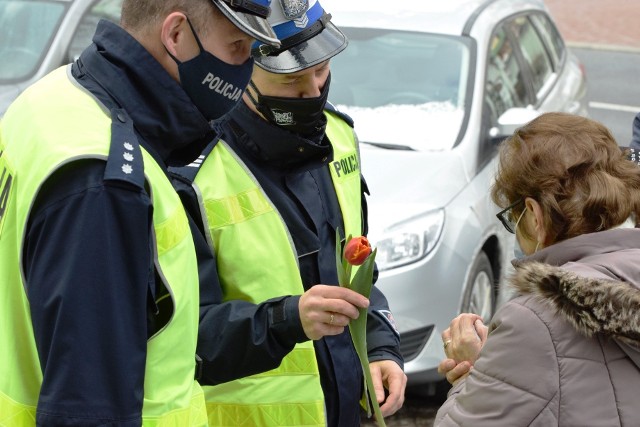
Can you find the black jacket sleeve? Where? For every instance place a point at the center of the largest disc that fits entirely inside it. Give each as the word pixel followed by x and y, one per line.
pixel 383 339
pixel 635 135
pixel 88 266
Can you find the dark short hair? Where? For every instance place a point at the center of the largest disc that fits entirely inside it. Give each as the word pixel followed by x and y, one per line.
pixel 140 14
pixel 573 167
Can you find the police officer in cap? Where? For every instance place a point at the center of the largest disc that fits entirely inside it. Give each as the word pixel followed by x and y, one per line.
pixel 99 307
pixel 272 192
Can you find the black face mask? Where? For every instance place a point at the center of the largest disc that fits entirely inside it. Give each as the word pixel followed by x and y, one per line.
pixel 214 86
pixel 304 116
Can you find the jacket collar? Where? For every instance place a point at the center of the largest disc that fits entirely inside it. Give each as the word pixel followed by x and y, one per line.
pixel 571 278
pixel 275 146
pixel 163 114
pixel 586 245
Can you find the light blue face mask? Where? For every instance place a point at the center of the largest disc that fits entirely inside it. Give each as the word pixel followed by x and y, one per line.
pixel 517 249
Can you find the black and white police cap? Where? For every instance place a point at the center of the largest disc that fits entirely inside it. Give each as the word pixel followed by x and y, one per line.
pixel 307 37
pixel 251 17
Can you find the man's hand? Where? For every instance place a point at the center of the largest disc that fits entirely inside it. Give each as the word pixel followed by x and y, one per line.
pixel 387 374
pixel 326 310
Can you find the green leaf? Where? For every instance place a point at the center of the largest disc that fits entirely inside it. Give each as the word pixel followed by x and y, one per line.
pixel 363 279
pixel 362 283
pixel 346 267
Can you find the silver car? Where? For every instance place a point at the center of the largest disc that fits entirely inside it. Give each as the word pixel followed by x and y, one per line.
pixel 433 88
pixel 41 35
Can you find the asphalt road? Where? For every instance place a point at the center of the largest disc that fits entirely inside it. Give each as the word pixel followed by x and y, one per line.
pixel 418 410
pixel 614 98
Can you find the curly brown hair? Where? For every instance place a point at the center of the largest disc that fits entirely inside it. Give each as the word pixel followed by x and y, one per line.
pixel 573 167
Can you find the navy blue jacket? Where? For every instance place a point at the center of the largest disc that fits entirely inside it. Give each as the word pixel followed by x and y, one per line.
pixel 257 337
pixel 88 259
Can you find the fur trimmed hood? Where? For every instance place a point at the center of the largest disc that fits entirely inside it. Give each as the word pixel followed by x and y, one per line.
pixel 591 305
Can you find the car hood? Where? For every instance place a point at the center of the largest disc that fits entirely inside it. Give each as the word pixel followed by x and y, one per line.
pixel 7 94
pixel 404 183
pixel 432 126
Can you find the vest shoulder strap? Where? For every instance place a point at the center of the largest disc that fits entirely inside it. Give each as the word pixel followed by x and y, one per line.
pixel 332 109
pixel 190 171
pixel 125 161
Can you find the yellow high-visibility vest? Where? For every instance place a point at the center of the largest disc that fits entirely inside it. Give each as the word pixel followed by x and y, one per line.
pixel 257 261
pixel 51 124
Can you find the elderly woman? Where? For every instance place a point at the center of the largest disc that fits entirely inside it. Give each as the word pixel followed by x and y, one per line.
pixel 565 350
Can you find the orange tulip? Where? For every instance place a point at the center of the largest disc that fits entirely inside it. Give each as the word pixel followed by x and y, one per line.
pixel 357 250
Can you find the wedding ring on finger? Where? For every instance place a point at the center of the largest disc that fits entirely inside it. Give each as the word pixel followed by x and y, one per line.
pixel 331 319
pixel 446 343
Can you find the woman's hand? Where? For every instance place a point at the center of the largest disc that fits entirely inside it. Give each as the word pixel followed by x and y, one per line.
pixel 453 371
pixel 464 338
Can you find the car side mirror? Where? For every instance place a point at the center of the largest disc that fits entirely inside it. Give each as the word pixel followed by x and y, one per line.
pixel 511 120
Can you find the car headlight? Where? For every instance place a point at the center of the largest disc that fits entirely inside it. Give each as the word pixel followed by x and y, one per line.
pixel 408 241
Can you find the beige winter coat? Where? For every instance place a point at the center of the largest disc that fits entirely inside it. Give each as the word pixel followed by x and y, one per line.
pixel 553 356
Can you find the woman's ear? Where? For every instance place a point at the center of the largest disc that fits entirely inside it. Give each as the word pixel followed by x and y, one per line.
pixel 537 221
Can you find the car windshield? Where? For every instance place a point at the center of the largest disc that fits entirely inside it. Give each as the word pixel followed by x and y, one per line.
pixel 417 81
pixel 28 28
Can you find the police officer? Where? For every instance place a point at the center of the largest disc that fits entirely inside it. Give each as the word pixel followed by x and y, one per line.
pixel 99 303
pixel 272 192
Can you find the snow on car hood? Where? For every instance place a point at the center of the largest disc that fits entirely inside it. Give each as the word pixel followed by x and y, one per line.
pixel 433 126
pixel 408 182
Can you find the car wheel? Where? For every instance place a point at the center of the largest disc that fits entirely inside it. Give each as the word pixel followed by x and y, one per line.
pixel 479 297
